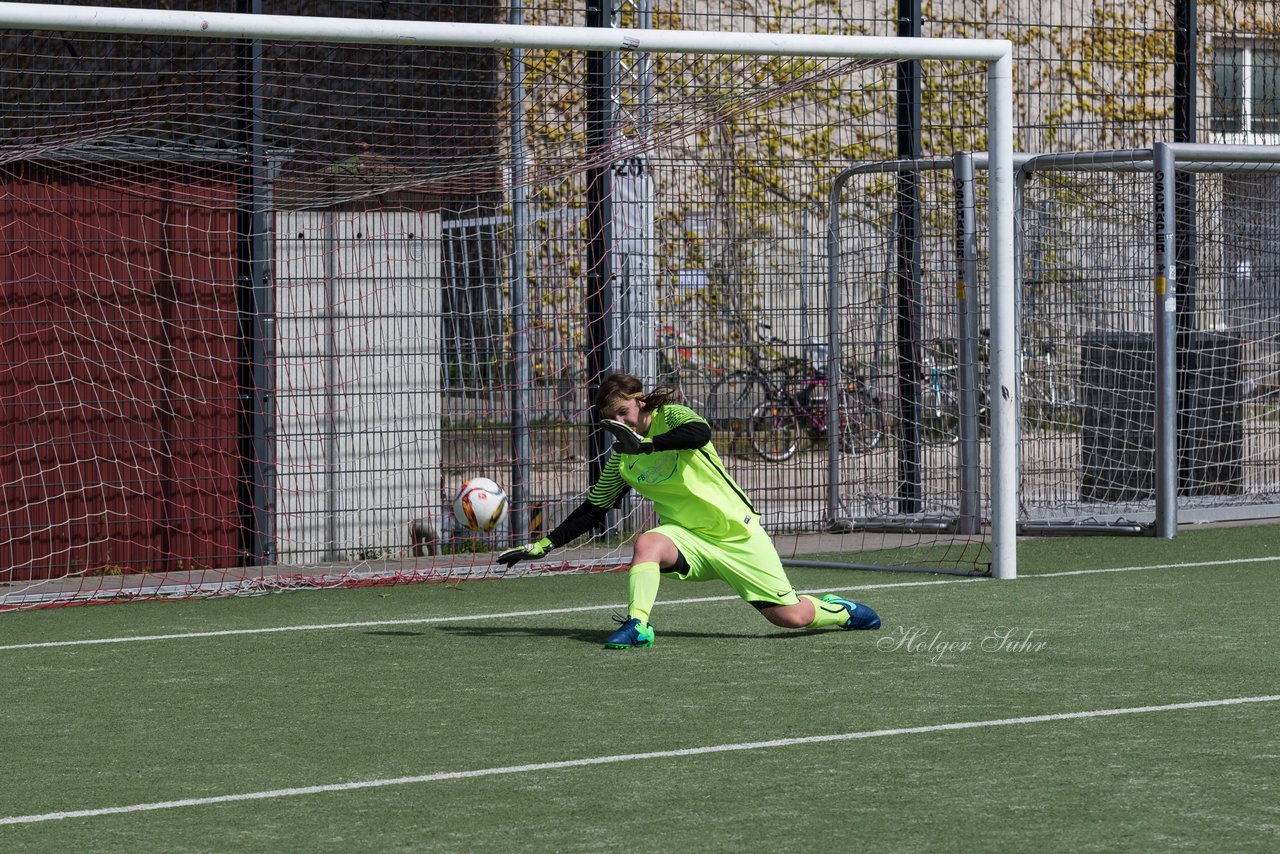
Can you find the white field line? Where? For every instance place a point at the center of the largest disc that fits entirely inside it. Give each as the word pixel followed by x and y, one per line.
pixel 418 621
pixel 534 767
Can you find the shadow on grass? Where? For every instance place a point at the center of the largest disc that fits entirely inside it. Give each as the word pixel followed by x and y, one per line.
pixel 596 637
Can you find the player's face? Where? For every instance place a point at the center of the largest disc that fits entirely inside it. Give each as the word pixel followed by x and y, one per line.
pixel 628 411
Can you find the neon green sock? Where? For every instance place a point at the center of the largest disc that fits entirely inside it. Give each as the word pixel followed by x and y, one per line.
pixel 642 590
pixel 825 614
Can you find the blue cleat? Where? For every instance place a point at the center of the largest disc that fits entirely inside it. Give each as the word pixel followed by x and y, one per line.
pixel 860 616
pixel 630 635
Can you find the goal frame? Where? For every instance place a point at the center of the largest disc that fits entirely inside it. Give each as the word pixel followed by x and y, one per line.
pixel 996 54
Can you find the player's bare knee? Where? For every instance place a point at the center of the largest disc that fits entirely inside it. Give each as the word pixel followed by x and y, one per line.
pixel 783 616
pixel 651 546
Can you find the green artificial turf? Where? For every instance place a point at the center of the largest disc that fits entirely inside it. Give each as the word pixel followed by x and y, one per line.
pixel 486 677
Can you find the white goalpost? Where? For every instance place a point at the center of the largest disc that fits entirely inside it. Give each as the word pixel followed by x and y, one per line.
pixel 310 364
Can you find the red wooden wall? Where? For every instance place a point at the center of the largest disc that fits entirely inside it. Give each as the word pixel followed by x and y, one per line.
pixel 118 347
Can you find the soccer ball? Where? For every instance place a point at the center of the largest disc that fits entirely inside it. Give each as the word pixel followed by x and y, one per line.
pixel 481 505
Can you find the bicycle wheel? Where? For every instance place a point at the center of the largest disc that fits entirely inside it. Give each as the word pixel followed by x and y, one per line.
pixel 939 418
pixel 732 399
pixel 695 389
pixel 861 421
pixel 774 431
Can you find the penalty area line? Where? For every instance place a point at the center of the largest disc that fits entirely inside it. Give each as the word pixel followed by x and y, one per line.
pixel 535 767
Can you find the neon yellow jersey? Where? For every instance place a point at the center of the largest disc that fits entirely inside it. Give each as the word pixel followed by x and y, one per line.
pixel 689 488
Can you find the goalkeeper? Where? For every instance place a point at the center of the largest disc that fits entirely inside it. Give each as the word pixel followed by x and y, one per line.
pixel 708 528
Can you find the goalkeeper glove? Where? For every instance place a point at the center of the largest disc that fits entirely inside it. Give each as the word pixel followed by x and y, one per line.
pixel 628 442
pixel 530 551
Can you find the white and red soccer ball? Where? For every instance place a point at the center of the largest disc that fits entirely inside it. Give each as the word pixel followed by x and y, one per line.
pixel 481 505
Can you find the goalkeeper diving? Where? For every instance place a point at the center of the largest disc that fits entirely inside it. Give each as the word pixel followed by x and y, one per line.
pixel 707 527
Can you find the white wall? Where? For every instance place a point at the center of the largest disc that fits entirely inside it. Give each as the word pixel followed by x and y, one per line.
pixel 357 373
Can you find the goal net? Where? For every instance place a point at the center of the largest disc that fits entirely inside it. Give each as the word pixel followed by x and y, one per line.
pixel 276 286
pixel 1095 295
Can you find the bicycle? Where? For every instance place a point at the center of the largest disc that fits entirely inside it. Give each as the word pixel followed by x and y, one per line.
pixel 776 427
pixel 940 392
pixel 788 398
pixel 939 396
pixel 1048 393
pixel 1048 389
pixel 736 394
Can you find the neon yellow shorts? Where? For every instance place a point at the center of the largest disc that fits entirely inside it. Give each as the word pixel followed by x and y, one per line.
pixel 750 566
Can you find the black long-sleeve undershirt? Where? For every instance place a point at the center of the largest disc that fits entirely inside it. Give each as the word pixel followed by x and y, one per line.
pixel 685 437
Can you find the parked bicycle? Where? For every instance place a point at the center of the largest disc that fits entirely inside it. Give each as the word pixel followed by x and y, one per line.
pixel 1048 391
pixel 780 403
pixel 777 426
pixel 1048 384
pixel 940 394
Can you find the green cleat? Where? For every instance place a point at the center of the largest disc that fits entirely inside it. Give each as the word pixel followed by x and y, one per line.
pixel 860 616
pixel 630 635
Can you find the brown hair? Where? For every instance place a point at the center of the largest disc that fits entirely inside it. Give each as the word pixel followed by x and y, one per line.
pixel 621 386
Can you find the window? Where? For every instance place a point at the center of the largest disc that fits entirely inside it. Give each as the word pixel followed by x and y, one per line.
pixel 1266 90
pixel 473 303
pixel 1246 88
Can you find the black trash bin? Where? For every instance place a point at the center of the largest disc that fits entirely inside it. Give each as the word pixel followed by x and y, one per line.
pixel 1211 417
pixel 1118 435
